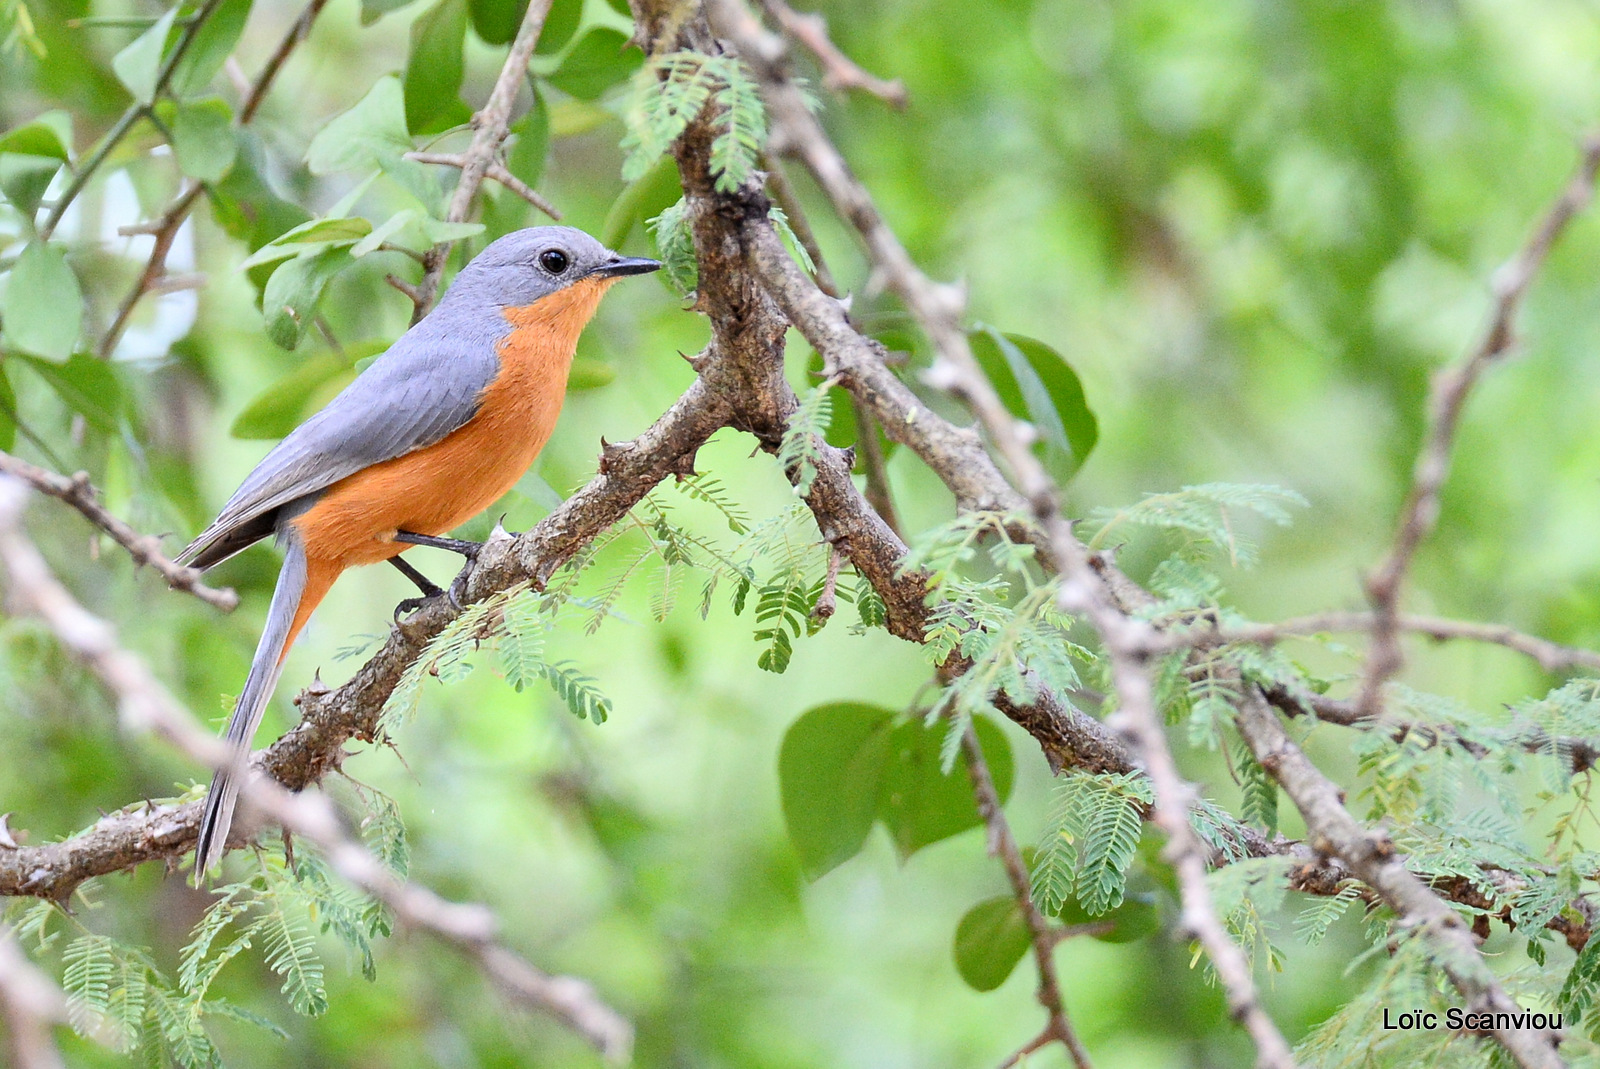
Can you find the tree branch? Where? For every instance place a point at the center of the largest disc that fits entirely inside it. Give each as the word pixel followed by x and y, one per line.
pixel 144 549
pixel 1043 936
pixel 1373 858
pixel 144 704
pixel 165 230
pixel 489 129
pixel 1451 387
pixel 136 111
pixel 839 71
pixel 495 170
pixel 30 1005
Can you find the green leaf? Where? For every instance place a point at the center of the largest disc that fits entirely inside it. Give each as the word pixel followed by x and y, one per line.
pixel 24 180
pixel 373 133
pixel 589 375
pixel 596 63
pixel 830 774
pixel 138 66
pixel 1139 915
pixel 642 199
pixel 244 202
pixel 1037 384
pixel 30 156
pixel 8 413
pixel 48 135
pixel 559 26
pixel 920 804
pixel 527 156
pixel 212 45
pixel 674 238
pixel 496 21
pixel 43 308
pixel 373 10
pixel 87 385
pixel 315 235
pixel 284 405
pixel 289 301
pixel 435 67
pixel 990 939
pixel 203 139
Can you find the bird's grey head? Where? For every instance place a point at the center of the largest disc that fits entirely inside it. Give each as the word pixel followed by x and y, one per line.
pixel 525 265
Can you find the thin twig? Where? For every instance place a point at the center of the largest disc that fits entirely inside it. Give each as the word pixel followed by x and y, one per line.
pixel 1551 656
pixel 828 600
pixel 839 71
pixel 1042 935
pixel 495 170
pixel 144 549
pixel 30 1005
pixel 144 704
pixel 489 129
pixel 1374 859
pixel 1451 387
pixel 165 230
pixel 136 111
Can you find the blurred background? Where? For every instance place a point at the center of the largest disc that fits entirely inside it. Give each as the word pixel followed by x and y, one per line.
pixel 1253 228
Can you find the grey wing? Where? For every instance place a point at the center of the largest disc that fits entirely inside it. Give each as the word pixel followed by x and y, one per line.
pixel 426 385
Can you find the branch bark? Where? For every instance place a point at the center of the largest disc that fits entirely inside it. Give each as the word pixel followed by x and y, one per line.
pixel 145 705
pixel 144 549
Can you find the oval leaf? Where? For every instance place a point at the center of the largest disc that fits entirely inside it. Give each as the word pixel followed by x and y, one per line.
pixel 1037 384
pixel 203 140
pixel 87 385
pixel 830 775
pixel 138 66
pixel 43 307
pixel 281 407
pixel 596 63
pixel 990 939
pixel 209 50
pixel 435 67
pixel 921 805
pixel 290 298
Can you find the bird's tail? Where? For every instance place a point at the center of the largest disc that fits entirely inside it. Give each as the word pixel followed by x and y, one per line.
pixel 301 585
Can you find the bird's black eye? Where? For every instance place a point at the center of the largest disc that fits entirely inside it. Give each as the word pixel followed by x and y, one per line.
pixel 554 261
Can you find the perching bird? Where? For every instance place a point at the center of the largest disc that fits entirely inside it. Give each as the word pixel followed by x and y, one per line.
pixel 433 432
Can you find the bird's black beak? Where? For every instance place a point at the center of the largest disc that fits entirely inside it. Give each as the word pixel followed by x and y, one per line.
pixel 627 265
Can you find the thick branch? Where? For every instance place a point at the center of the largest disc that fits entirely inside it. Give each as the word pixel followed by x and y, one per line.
pixel 144 549
pixel 145 705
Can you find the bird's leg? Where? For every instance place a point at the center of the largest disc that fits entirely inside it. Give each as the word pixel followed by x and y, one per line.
pixel 429 588
pixel 469 550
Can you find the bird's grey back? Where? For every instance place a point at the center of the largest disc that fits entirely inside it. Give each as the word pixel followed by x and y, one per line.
pixel 426 385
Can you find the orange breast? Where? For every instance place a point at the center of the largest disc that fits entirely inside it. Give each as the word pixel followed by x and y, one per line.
pixel 441 486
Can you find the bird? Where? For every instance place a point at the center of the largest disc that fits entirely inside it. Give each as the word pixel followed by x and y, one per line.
pixel 431 433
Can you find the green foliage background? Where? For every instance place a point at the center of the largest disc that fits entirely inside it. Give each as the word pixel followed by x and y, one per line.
pixel 1251 228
